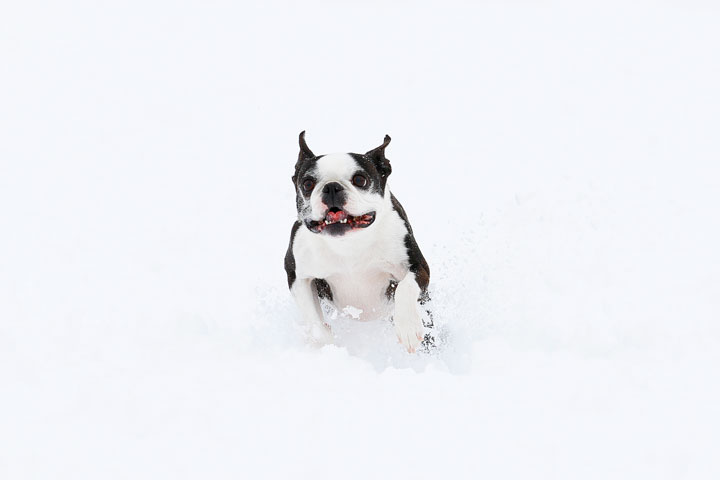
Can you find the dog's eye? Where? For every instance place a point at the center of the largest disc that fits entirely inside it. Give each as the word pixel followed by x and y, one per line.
pixel 360 181
pixel 308 184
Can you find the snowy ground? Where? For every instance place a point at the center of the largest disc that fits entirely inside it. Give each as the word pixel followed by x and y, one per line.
pixel 560 168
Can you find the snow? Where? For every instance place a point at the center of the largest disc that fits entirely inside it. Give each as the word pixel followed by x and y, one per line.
pixel 559 164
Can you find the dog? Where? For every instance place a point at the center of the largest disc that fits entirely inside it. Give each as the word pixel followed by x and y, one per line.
pixel 352 246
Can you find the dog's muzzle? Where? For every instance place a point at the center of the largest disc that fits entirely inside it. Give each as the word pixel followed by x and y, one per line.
pixel 339 222
pixel 334 195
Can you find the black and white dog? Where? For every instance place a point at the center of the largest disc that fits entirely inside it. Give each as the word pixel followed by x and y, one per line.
pixel 353 246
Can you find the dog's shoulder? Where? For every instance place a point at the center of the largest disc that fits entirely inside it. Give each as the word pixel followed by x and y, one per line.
pixel 397 206
pixel 290 256
pixel 416 261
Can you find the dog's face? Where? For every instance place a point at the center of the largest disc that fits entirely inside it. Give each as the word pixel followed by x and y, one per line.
pixel 340 193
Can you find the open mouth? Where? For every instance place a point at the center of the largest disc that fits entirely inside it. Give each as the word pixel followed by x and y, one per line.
pixel 337 222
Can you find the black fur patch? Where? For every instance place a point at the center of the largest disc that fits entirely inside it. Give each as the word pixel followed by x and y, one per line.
pixel 420 268
pixel 418 265
pixel 323 289
pixel 378 178
pixel 390 291
pixel 290 257
pixel 303 169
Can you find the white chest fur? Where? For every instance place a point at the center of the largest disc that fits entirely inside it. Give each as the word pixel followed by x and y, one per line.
pixel 358 266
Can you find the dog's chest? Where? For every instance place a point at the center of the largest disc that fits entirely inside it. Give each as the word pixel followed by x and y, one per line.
pixel 361 295
pixel 358 269
pixel 359 284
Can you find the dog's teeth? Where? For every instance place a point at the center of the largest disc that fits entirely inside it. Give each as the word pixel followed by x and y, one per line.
pixel 344 220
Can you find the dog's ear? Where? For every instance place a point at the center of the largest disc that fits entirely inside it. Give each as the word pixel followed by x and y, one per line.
pixel 305 154
pixel 377 155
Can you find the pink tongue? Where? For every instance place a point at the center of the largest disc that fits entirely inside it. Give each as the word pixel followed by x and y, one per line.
pixel 335 216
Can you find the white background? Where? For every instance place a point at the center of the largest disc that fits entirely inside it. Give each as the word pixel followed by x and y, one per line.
pixel 559 164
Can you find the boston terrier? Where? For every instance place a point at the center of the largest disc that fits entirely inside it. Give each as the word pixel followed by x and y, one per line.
pixel 352 246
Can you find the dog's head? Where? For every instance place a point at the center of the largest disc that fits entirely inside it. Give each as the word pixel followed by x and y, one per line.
pixel 341 192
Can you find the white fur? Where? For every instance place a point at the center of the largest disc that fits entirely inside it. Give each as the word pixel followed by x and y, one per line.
pixel 309 306
pixel 408 323
pixel 359 265
pixel 339 167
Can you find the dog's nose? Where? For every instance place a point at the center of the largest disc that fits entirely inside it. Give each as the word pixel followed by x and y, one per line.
pixel 334 195
pixel 332 188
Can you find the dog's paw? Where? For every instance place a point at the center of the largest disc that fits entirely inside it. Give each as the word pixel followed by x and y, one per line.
pixel 320 334
pixel 409 332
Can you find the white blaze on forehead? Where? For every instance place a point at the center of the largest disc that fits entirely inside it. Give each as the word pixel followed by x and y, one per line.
pixel 335 167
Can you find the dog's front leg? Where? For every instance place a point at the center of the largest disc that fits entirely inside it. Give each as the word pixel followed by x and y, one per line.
pixel 307 300
pixel 407 319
